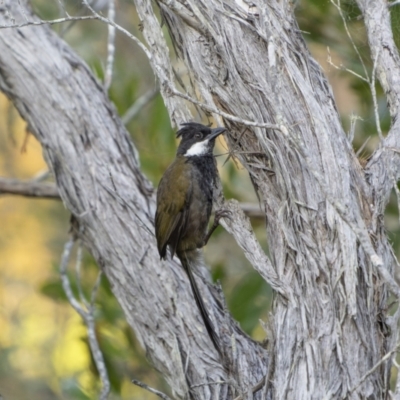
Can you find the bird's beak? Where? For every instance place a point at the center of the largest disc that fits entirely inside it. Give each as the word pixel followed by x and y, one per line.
pixel 215 132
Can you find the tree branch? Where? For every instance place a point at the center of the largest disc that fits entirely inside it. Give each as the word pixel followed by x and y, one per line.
pixel 28 189
pixel 150 389
pixel 48 190
pixel 239 226
pixel 384 163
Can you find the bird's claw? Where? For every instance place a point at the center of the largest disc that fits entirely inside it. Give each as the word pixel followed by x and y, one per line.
pixel 218 215
pixel 222 213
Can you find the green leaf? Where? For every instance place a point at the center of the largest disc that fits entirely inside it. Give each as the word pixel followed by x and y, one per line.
pixel 53 290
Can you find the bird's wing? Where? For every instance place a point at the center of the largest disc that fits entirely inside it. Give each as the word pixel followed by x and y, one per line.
pixel 173 196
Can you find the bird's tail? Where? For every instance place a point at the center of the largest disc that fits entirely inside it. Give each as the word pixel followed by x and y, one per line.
pixel 190 260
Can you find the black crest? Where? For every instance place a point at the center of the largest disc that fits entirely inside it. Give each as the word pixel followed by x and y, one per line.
pixel 190 128
pixel 192 134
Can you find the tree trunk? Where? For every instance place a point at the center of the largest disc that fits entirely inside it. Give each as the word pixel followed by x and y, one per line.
pixel 330 261
pixel 323 210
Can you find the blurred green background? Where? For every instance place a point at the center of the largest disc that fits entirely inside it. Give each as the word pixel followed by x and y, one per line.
pixel 43 343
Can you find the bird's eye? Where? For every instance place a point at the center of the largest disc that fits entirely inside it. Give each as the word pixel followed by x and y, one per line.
pixel 197 135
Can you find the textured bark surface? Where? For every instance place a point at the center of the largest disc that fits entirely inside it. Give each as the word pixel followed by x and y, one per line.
pixel 329 323
pixel 99 180
pixel 252 63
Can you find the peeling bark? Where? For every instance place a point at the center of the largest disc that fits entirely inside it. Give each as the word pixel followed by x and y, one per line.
pixel 329 326
pixel 99 180
pixel 254 64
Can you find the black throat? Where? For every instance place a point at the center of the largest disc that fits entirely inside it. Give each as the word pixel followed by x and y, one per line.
pixel 205 172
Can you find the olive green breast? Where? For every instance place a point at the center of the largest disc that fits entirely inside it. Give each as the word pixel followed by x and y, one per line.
pixel 184 203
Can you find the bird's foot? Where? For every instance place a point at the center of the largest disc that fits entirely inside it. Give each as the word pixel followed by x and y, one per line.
pixel 218 215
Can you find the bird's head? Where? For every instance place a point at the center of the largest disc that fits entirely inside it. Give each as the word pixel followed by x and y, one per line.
pixel 197 139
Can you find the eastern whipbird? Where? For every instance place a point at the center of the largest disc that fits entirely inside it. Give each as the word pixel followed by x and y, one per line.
pixel 184 204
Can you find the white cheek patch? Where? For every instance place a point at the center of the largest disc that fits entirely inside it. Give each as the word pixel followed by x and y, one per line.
pixel 198 149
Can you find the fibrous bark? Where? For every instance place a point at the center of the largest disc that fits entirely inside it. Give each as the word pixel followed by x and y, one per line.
pixel 99 180
pixel 329 324
pixel 324 214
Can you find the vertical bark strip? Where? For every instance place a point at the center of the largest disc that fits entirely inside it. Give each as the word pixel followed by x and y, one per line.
pixel 253 63
pixel 250 62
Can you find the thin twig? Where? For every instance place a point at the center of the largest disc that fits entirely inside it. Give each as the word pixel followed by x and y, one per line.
pixel 209 384
pixel 224 114
pixel 254 389
pixel 61 8
pixel 121 29
pixel 353 122
pixel 110 45
pixel 138 105
pixel 97 355
pixel 370 81
pixel 394 3
pixel 150 389
pixel 234 146
pixel 341 67
pixel 360 150
pixel 88 318
pixel 373 92
pixel 78 275
pixel 95 16
pixel 65 280
pixel 374 368
pixel 49 22
pixel 339 8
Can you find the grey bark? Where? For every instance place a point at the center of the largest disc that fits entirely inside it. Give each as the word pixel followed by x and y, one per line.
pixel 98 176
pixel 252 63
pixel 329 330
pixel 28 189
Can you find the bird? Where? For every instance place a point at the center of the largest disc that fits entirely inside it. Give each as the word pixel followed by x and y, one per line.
pixel 184 205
